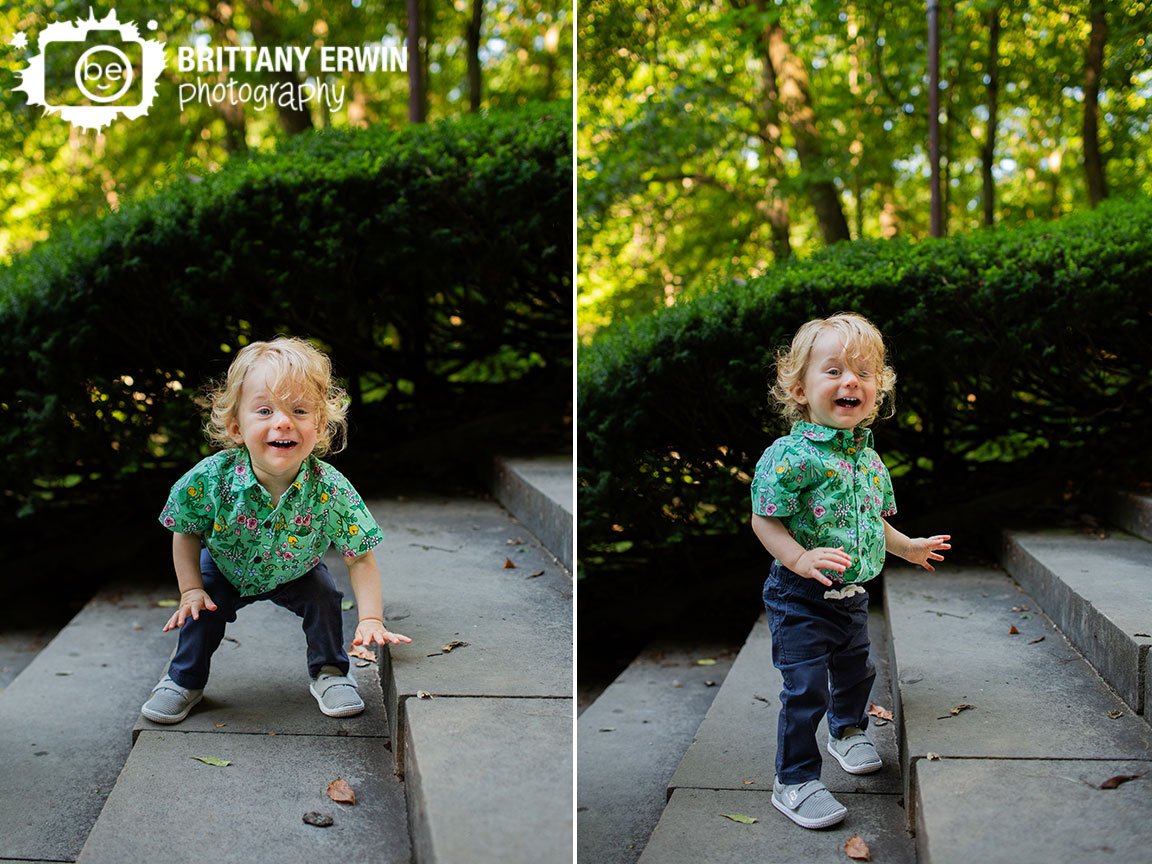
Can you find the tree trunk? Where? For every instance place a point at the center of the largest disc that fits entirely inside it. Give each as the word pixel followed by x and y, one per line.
pixel 474 55
pixel 792 86
pixel 988 155
pixel 417 102
pixel 1093 66
pixel 774 205
pixel 264 21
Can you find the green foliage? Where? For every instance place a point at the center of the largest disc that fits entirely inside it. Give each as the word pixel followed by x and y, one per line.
pixel 432 263
pixel 678 167
pixel 1017 350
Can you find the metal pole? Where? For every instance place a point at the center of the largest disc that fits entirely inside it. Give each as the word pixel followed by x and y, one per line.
pixel 934 115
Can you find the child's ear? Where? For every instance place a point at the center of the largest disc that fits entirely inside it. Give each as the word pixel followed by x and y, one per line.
pixel 797 393
pixel 234 433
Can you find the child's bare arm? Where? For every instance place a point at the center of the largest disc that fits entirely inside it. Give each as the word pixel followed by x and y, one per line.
pixel 916 550
pixel 193 598
pixel 804 562
pixel 365 576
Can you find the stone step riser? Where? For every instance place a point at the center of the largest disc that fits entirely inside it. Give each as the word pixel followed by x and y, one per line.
pixel 1089 622
pixel 1130 511
pixel 1004 778
pixel 538 492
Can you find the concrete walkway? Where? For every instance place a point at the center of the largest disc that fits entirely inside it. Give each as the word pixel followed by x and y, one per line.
pixel 463 753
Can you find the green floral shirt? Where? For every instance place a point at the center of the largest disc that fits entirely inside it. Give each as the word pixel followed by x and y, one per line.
pixel 829 488
pixel 257 546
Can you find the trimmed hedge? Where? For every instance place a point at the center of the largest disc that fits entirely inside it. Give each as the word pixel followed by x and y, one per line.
pixel 433 262
pixel 1018 352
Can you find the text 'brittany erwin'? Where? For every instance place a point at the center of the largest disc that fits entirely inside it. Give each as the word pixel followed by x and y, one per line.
pixel 373 57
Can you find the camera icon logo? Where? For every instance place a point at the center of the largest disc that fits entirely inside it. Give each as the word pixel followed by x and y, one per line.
pixel 92 72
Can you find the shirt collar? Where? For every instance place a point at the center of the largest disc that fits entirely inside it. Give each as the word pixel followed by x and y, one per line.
pixel 858 437
pixel 244 477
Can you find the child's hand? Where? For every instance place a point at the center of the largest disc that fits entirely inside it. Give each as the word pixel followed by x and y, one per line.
pixel 921 550
pixel 821 558
pixel 371 630
pixel 192 603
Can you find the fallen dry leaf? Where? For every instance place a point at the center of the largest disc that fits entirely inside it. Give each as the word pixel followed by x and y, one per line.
pixel 362 652
pixel 749 782
pixel 453 645
pixel 508 564
pixel 1119 780
pixel 856 849
pixel 706 661
pixel 932 757
pixel 340 792
pixel 879 712
pixel 212 760
pixel 515 541
pixel 1021 609
pixel 1037 639
pixel 534 575
pixel 320 820
pixel 956 709
pixel 167 604
pixel 1012 631
pixel 741 818
pixel 1115 715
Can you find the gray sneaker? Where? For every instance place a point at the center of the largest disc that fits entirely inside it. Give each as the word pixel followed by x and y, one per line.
pixel 855 753
pixel 336 693
pixel 809 805
pixel 170 703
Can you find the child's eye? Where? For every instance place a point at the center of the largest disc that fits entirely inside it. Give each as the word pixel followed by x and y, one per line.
pixel 865 374
pixel 832 371
pixel 264 412
pixel 301 411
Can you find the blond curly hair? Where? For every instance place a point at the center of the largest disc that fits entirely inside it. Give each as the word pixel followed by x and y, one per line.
pixel 299 372
pixel 864 348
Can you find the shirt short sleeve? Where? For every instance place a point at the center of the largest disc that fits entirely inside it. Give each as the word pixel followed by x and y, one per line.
pixel 191 504
pixel 887 496
pixel 350 526
pixel 778 480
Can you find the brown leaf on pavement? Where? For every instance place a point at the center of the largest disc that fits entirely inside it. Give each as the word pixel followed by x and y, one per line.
pixel 879 712
pixel 1119 780
pixel 856 849
pixel 453 645
pixel 508 564
pixel 362 652
pixel 956 709
pixel 340 792
pixel 1012 631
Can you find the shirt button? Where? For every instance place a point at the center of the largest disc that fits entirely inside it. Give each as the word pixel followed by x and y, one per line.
pixel 268 524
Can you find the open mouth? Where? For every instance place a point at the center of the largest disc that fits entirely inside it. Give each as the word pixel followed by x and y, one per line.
pixel 848 402
pixel 282 444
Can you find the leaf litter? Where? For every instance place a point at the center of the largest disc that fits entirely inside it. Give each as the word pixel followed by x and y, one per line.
pixel 956 709
pixel 341 792
pixel 882 714
pixel 363 653
pixel 213 760
pixel 856 849
pixel 741 818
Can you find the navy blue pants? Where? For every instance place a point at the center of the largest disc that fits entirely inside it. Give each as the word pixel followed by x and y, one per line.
pixel 821 649
pixel 314 597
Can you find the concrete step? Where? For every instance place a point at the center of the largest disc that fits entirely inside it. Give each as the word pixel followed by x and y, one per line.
pixel 731 764
pixel 538 491
pixel 65 721
pixel 1130 511
pixel 630 740
pixel 1012 781
pixel 258 713
pixel 485 728
pixel 1098 591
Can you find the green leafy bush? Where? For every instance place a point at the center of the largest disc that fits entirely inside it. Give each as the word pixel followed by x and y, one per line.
pixel 434 263
pixel 1019 352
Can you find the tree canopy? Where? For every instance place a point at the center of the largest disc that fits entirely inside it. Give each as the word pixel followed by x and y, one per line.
pixel 51 173
pixel 717 139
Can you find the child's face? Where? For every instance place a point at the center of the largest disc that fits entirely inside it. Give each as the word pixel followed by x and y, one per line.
pixel 278 434
pixel 834 392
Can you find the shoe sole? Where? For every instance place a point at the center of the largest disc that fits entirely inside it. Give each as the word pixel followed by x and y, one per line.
pixel 855 769
pixel 826 822
pixel 169 719
pixel 347 711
